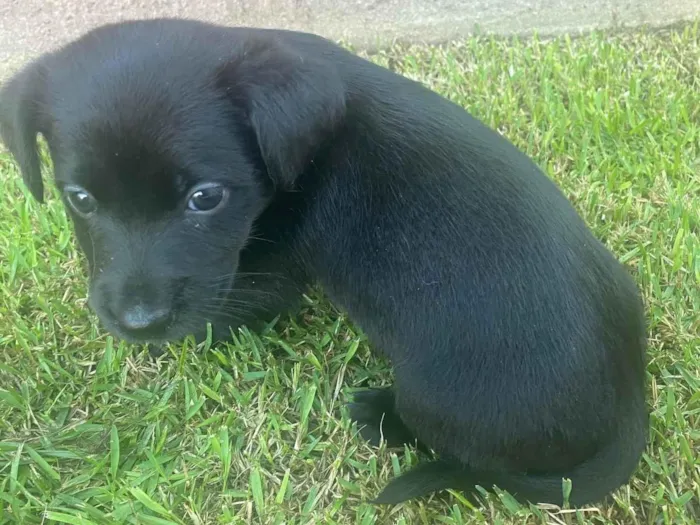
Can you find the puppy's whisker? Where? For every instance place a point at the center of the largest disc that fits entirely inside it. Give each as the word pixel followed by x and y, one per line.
pixel 94 258
pixel 242 305
pixel 219 312
pixel 260 239
pixel 225 293
pixel 231 293
pixel 245 275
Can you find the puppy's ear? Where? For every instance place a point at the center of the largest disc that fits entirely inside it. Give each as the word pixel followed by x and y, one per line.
pixel 293 103
pixel 22 100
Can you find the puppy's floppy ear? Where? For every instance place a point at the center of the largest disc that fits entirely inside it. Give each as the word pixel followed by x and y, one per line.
pixel 22 99
pixel 293 103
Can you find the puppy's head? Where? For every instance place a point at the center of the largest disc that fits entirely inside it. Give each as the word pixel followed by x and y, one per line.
pixel 168 139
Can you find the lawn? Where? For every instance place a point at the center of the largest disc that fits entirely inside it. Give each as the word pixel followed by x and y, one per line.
pixel 93 431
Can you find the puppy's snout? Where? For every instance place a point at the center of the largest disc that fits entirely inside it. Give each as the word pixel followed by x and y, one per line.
pixel 142 319
pixel 140 308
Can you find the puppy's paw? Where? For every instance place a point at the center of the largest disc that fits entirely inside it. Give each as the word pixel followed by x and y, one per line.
pixel 368 422
pixel 155 351
pixel 373 411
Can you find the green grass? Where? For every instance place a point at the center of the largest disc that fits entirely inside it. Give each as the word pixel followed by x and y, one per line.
pixel 92 431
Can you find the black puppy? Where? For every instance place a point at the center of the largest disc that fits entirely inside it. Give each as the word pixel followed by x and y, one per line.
pixel 213 173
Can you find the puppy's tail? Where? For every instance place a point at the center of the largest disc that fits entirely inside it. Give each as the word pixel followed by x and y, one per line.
pixel 591 481
pixel 424 479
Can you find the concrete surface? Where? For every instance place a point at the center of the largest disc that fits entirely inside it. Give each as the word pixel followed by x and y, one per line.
pixel 29 27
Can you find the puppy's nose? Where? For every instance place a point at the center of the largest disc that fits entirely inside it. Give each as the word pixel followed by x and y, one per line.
pixel 140 318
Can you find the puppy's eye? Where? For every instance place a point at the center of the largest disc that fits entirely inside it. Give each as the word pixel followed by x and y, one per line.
pixel 81 201
pixel 207 197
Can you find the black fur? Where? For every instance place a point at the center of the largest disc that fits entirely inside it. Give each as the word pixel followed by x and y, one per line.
pixel 373 411
pixel 517 338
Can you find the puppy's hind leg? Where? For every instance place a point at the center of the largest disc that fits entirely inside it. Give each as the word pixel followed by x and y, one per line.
pixel 375 414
